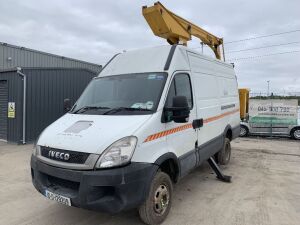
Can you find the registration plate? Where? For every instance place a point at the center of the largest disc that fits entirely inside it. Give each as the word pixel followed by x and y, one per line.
pixel 58 198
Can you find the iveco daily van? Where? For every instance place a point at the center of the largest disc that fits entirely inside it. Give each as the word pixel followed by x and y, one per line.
pixel 148 119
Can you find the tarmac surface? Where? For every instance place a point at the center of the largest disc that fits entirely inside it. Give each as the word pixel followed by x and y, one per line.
pixel 265 190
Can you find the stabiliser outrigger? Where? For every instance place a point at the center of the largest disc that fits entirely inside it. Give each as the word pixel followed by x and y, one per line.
pixel 176 30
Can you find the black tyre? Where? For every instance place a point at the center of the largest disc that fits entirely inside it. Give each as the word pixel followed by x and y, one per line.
pixel 295 133
pixel 223 156
pixel 157 206
pixel 244 131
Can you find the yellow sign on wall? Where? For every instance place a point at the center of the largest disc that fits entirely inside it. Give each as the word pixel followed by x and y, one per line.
pixel 11 110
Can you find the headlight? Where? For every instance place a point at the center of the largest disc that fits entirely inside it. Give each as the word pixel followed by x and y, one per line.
pixel 119 153
pixel 36 150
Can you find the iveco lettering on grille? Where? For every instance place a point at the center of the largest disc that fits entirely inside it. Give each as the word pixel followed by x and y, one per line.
pixel 59 155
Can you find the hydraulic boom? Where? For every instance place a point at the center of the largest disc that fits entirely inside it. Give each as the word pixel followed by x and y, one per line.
pixel 177 30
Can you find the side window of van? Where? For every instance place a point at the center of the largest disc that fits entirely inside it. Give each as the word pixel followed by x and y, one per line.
pixel 181 85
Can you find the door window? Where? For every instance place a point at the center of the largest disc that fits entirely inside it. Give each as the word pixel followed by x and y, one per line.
pixel 180 86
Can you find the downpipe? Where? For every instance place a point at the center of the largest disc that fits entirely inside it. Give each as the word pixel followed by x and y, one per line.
pixel 24 104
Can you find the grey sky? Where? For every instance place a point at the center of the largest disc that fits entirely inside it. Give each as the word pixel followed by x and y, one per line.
pixel 94 30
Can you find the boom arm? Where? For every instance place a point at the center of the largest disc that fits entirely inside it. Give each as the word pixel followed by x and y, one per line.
pixel 175 29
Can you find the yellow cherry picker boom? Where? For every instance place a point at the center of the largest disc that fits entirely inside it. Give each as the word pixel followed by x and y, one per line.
pixel 177 30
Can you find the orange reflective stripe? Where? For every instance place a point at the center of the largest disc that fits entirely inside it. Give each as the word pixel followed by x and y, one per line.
pixel 220 116
pixel 186 126
pixel 167 132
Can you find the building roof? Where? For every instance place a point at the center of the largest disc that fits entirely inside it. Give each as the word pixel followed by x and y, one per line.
pixel 12 56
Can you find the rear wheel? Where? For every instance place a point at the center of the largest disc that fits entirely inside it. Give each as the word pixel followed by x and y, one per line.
pixel 157 206
pixel 295 133
pixel 244 131
pixel 223 156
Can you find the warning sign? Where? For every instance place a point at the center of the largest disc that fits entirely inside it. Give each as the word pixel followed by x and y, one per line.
pixel 11 110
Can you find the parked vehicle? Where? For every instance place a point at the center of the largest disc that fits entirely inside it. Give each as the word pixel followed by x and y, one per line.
pixel 272 117
pixel 148 119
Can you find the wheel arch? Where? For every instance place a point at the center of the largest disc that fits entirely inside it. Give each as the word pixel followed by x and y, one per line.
pixel 169 164
pixel 245 125
pixel 293 129
pixel 228 132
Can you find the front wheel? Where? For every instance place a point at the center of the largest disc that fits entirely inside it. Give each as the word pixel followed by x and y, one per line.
pixel 157 206
pixel 296 133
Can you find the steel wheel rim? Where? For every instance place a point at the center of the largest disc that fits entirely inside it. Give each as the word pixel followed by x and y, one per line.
pixel 161 199
pixel 242 131
pixel 297 134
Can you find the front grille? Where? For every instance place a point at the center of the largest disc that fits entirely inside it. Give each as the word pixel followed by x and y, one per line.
pixel 58 182
pixel 67 156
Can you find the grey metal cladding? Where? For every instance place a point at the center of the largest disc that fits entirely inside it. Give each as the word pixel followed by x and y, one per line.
pixel 3 109
pixel 15 94
pixel 12 56
pixel 46 90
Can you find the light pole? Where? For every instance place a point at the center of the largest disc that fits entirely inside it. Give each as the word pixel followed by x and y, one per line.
pixel 268 88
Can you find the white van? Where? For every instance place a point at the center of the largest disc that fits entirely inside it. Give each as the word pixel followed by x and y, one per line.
pixel 147 120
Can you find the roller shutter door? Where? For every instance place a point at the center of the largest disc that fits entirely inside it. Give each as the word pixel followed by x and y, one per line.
pixel 3 109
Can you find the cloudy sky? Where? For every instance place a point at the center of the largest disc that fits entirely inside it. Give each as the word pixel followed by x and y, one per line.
pixel 94 30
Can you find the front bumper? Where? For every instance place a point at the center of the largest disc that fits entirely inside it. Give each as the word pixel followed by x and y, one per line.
pixel 107 190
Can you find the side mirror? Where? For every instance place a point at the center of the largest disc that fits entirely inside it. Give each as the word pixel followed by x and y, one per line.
pixel 67 105
pixel 180 110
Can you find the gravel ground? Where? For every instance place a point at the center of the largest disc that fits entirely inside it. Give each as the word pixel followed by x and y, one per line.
pixel 265 190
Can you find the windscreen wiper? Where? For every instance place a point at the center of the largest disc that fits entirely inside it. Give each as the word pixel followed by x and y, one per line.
pixel 119 109
pixel 86 108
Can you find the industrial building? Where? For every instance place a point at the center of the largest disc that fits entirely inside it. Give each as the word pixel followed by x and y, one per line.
pixel 33 87
pixel 12 56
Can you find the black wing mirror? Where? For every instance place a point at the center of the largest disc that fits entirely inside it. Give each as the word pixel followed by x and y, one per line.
pixel 67 105
pixel 180 110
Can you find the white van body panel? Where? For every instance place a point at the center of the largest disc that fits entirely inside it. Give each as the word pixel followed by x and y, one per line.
pixel 213 83
pixel 152 150
pixel 137 61
pixel 215 86
pixel 101 133
pixel 146 60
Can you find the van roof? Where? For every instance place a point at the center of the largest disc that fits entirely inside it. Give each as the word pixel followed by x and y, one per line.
pixel 153 59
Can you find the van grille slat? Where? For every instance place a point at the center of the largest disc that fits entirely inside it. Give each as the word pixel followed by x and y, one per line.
pixel 74 157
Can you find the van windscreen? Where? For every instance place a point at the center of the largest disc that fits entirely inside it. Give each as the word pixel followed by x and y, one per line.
pixel 122 94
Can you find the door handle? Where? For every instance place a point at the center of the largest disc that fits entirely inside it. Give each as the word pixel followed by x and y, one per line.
pixel 197 123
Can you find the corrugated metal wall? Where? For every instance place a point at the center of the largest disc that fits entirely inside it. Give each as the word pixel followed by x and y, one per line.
pixel 46 91
pixel 15 94
pixel 3 109
pixel 13 56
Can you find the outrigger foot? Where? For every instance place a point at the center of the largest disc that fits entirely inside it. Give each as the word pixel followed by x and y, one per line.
pixel 218 171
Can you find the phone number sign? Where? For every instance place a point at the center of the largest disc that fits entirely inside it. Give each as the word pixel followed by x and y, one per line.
pixel 273 111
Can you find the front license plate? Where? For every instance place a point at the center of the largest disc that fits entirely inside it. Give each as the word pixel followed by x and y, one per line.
pixel 58 198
